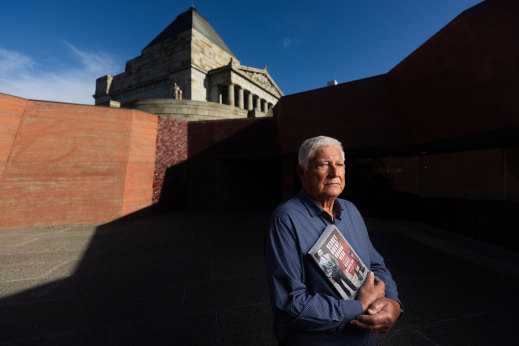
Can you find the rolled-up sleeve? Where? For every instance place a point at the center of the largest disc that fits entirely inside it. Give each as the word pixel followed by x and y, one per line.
pixel 293 305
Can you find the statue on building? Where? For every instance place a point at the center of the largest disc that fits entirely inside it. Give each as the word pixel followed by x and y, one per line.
pixel 177 92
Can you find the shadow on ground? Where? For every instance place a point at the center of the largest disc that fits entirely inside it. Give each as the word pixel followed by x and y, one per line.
pixel 181 278
pixel 192 278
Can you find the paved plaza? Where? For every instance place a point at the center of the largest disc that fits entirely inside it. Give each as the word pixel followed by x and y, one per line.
pixel 190 278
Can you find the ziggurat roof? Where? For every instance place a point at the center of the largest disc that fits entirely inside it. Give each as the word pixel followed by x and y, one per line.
pixel 191 19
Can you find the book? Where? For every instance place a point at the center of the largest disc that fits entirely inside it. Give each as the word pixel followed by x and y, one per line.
pixel 339 262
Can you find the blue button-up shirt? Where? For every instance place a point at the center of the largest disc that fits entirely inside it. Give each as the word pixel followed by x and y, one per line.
pixel 307 310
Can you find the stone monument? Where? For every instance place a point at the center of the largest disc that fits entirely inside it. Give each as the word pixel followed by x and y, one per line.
pixel 188 72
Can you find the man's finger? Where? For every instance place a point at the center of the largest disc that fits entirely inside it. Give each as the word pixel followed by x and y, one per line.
pixel 369 327
pixel 373 323
pixel 370 278
pixel 376 306
pixel 377 281
pixel 370 319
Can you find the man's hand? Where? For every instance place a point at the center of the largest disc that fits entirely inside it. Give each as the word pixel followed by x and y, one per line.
pixel 381 316
pixel 372 289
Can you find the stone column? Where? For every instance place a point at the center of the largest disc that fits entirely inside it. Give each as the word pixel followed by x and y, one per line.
pixel 230 94
pixel 240 97
pixel 257 104
pixel 249 101
pixel 264 106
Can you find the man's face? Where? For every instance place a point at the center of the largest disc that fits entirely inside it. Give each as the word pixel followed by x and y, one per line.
pixel 324 178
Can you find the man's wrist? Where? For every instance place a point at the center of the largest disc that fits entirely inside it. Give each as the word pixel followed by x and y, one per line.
pixel 364 304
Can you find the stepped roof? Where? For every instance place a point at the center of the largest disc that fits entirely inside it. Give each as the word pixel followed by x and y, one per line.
pixel 191 19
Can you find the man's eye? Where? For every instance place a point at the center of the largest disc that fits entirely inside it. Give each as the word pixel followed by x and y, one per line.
pixel 323 164
pixel 340 164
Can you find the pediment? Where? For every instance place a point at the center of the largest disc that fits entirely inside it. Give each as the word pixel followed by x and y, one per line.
pixel 261 77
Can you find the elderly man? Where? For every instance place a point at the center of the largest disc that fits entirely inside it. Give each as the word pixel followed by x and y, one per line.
pixel 307 310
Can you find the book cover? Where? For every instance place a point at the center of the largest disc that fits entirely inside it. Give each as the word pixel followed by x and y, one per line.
pixel 339 263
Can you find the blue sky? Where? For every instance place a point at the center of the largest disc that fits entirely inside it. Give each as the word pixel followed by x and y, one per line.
pixel 55 49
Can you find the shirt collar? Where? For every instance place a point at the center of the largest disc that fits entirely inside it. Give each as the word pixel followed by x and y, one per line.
pixel 314 209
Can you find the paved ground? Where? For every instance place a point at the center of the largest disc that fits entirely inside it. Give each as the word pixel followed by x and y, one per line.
pixel 198 279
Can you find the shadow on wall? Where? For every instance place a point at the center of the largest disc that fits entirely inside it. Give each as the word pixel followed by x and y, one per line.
pixel 221 184
pixel 187 278
pixel 192 278
pixel 242 171
pixel 369 184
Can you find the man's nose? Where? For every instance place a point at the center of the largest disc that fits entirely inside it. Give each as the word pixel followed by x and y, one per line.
pixel 333 170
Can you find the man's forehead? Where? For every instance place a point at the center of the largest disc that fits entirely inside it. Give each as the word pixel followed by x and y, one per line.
pixel 327 154
pixel 339 159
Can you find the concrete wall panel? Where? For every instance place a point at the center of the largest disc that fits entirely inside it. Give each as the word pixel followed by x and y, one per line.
pixel 10 116
pixel 490 174
pixel 71 164
pixel 463 79
pixel 138 188
pixel 511 158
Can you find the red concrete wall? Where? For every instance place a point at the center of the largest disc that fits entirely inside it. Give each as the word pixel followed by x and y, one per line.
pixel 360 114
pixel 138 186
pixel 489 174
pixel 187 164
pixel 205 134
pixel 464 79
pixel 225 156
pixel 70 164
pixel 11 112
pixel 461 82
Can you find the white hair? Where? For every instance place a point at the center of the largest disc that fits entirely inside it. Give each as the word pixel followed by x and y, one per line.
pixel 309 147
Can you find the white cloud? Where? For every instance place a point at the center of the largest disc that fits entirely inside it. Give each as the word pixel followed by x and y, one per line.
pixel 21 75
pixel 13 62
pixel 287 42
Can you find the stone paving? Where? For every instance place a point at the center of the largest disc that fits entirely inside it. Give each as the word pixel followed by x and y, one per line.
pixel 198 279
